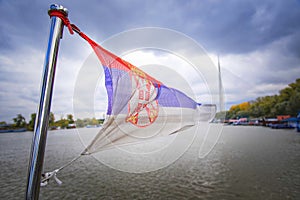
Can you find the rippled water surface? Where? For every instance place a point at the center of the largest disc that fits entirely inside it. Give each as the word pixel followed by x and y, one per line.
pixel 246 163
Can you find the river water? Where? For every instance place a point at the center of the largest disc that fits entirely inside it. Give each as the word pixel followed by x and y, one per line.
pixel 246 163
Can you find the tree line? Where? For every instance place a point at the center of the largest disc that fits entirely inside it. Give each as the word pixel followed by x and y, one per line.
pixel 20 122
pixel 287 102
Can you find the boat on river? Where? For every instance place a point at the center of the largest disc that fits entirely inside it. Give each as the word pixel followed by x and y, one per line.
pixel 13 130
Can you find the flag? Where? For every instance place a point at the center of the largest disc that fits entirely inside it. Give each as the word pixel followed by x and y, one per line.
pixel 141 107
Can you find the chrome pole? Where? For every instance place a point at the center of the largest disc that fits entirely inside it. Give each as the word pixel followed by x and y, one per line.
pixel 42 118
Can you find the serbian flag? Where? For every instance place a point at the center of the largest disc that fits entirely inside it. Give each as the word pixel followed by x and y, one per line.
pixel 141 107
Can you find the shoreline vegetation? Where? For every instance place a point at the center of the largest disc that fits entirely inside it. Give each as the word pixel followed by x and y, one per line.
pixel 262 111
pixel 20 123
pixel 285 103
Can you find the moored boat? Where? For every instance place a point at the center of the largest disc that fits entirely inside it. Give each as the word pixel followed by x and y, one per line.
pixel 13 130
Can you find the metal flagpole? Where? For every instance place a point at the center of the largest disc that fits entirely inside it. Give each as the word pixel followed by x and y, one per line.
pixel 42 117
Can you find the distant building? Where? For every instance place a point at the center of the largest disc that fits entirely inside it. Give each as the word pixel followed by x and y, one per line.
pixel 282 117
pixel 70 126
pixel 292 121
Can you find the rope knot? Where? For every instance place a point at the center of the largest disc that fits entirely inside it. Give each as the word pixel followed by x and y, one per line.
pixel 47 176
pixel 63 17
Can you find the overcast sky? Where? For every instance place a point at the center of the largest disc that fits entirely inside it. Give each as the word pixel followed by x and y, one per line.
pixel 258 42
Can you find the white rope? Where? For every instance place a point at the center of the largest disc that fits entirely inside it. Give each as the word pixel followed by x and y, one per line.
pixel 48 175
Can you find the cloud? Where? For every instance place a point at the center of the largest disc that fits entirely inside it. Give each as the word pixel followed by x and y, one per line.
pixel 20 77
pixel 259 73
pixel 244 26
pixel 269 65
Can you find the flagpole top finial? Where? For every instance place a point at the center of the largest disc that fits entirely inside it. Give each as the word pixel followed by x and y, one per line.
pixel 59 8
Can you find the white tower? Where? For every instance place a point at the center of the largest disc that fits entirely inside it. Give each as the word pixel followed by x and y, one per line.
pixel 221 95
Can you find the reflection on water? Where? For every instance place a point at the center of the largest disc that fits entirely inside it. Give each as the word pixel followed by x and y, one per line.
pixel 247 163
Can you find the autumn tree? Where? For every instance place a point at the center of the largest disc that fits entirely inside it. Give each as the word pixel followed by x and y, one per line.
pixel 287 102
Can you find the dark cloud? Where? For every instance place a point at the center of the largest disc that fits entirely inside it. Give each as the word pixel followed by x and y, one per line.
pixel 293 45
pixel 231 26
pixel 243 26
pixel 22 23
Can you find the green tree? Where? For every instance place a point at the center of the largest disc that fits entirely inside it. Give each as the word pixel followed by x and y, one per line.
pixel 70 118
pixel 255 110
pixel 289 99
pixel 62 123
pixel 242 113
pixel 51 119
pixel 281 108
pixel 101 121
pixel 32 122
pixel 287 102
pixel 19 121
pixel 79 123
pixel 94 121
